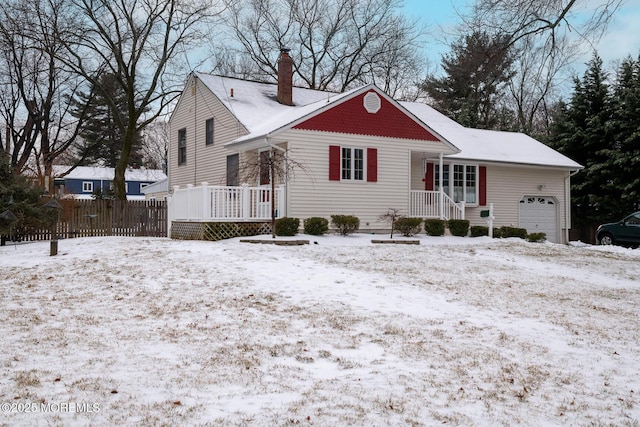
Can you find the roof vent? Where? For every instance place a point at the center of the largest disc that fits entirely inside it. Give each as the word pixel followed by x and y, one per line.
pixel 372 102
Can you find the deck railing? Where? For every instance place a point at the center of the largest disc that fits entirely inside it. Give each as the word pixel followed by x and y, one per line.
pixel 426 204
pixel 221 203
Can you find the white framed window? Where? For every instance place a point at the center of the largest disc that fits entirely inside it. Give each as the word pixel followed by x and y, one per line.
pixel 87 187
pixel 352 164
pixel 126 186
pixel 460 181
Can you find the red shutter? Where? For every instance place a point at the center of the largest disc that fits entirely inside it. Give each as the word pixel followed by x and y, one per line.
pixel 482 186
pixel 372 165
pixel 334 163
pixel 428 178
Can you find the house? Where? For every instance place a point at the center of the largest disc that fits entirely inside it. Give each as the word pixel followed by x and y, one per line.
pixel 84 181
pixel 156 191
pixel 359 152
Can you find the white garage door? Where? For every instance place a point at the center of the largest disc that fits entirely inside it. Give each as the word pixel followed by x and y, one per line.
pixel 539 215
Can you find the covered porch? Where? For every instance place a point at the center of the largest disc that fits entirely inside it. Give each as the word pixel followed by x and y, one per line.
pixel 212 203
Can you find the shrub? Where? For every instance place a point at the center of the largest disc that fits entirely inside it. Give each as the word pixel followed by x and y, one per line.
pixel 513 232
pixel 434 227
pixel 459 227
pixel 479 230
pixel 497 233
pixel 345 224
pixel 407 226
pixel 287 226
pixel 316 226
pixel 537 237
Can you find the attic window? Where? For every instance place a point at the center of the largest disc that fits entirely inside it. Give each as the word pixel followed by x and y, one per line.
pixel 372 102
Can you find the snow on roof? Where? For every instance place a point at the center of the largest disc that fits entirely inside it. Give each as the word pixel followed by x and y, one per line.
pixel 157 187
pixel 490 145
pixel 107 174
pixel 255 105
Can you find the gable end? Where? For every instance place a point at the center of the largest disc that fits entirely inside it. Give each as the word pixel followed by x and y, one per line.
pixel 353 117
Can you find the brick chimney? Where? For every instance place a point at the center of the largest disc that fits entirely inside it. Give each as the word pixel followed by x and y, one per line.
pixel 285 77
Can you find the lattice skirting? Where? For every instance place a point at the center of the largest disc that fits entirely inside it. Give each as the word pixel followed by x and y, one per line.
pixel 217 230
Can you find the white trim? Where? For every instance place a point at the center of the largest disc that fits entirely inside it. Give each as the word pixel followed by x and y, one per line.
pixel 352 163
pixel 438 166
pixel 87 186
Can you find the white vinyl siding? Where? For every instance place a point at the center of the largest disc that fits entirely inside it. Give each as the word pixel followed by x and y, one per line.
pixel 311 193
pixel 205 163
pixel 506 185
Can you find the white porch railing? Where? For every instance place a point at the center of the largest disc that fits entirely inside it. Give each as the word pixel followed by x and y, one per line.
pixel 426 204
pixel 221 203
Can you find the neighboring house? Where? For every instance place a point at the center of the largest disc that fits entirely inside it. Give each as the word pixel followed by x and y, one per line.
pixel 359 153
pixel 156 191
pixel 84 181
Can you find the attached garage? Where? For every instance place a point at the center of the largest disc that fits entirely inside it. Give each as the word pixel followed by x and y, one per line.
pixel 540 215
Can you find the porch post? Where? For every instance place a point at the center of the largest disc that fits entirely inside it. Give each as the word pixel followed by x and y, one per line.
pixel 441 188
pixel 205 201
pixel 282 202
pixel 246 202
pixel 189 198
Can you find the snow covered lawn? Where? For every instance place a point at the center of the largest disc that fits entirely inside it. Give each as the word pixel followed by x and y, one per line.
pixel 473 332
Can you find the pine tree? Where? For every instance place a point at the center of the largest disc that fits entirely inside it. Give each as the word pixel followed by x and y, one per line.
pixel 102 139
pixel 22 199
pixel 582 131
pixel 624 156
pixel 477 67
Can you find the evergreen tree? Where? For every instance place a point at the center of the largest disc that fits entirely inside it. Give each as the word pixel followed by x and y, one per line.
pixel 21 198
pixel 582 131
pixel 102 138
pixel 623 158
pixel 477 68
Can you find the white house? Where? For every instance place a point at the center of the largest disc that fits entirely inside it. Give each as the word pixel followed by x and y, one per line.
pixel 357 153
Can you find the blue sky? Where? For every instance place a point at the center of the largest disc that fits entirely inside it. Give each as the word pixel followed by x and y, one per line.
pixel 621 39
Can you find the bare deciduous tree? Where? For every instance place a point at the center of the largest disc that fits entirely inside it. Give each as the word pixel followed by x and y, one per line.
pixel 550 20
pixel 546 36
pixel 268 168
pixel 155 144
pixel 144 44
pixel 35 87
pixel 335 44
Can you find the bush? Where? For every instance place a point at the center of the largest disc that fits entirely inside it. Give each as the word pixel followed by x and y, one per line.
pixel 287 226
pixel 537 237
pixel 345 224
pixel 459 227
pixel 434 227
pixel 316 226
pixel 513 232
pixel 479 230
pixel 407 226
pixel 497 233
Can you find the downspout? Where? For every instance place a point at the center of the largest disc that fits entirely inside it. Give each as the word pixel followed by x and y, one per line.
pixel 567 204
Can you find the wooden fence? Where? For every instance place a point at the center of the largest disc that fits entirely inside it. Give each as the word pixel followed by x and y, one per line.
pixel 83 218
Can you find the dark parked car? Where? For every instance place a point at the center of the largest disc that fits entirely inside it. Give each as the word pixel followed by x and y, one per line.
pixel 625 232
